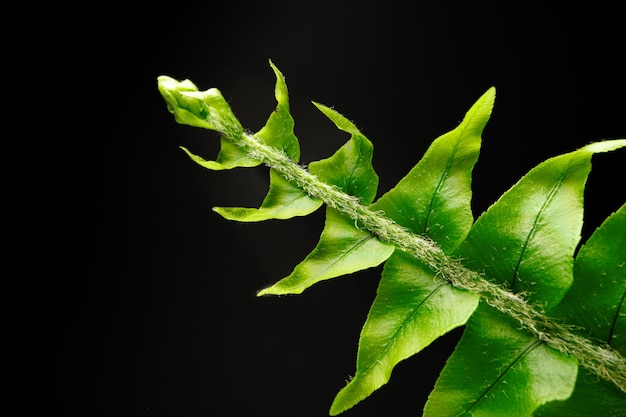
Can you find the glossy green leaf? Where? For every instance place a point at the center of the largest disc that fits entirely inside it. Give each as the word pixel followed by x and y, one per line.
pixel 412 307
pixel 434 197
pixel 278 130
pixel 497 370
pixel 592 397
pixel 343 247
pixel 350 168
pixel 283 201
pixel 595 304
pixel 527 239
pixel 530 234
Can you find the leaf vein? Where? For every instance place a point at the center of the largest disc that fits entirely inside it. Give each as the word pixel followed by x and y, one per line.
pixel 535 226
pixel 617 314
pixel 354 168
pixel 500 377
pixel 444 174
pixel 343 256
pixel 394 337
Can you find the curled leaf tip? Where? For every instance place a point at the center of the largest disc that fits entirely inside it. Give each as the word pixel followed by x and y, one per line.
pixel 207 109
pixel 166 82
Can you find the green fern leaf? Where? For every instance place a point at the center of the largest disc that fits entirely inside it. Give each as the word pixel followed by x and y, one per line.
pixel 527 236
pixel 435 196
pixel 497 370
pixel 412 307
pixel 527 239
pixel 278 130
pixel 342 249
pixel 595 304
pixel 350 168
pixel 514 359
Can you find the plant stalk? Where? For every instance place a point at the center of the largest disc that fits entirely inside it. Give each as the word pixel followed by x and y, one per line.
pixel 598 357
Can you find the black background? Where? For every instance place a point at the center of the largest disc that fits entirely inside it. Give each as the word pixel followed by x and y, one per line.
pixel 131 297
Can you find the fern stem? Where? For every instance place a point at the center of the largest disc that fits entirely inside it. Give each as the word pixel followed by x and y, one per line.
pixel 598 357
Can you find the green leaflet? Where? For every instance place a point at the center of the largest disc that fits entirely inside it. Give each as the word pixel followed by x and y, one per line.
pixel 434 197
pixel 283 201
pixel 595 303
pixel 527 239
pixel 497 370
pixel 278 130
pixel 350 168
pixel 412 308
pixel 527 236
pixel 343 248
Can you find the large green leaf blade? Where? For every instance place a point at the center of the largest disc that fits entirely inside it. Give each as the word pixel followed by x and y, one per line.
pixel 434 197
pixel 595 305
pixel 497 370
pixel 532 221
pixel 526 240
pixel 343 248
pixel 412 307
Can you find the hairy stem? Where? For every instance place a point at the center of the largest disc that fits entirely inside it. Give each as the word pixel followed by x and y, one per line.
pixel 597 357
